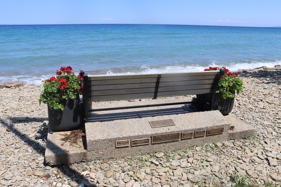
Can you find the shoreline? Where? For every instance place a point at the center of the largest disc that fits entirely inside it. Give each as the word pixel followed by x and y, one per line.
pixel 24 129
pixel 258 71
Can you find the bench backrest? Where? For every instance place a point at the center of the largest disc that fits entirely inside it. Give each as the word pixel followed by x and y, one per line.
pixel 126 87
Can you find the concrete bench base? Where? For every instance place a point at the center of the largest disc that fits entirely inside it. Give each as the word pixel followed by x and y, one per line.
pixel 128 137
pixel 136 136
pixel 58 152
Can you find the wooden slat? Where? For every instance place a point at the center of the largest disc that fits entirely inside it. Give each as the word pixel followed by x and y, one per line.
pixel 123 81
pixel 102 77
pixel 123 91
pixel 122 86
pixel 186 92
pixel 113 77
pixel 146 77
pixel 185 87
pixel 187 77
pixel 182 83
pixel 204 73
pixel 121 97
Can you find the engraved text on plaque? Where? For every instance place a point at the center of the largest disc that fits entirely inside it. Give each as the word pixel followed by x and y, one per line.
pixel 138 142
pixel 186 135
pixel 216 131
pixel 122 143
pixel 163 138
pixel 199 134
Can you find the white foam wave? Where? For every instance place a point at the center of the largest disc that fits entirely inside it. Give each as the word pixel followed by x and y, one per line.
pixel 30 80
pixel 38 80
pixel 197 68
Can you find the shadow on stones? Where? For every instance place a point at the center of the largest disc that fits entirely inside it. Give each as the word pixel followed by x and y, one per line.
pixel 43 131
pixel 272 76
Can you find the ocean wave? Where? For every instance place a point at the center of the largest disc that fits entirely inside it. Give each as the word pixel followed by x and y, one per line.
pixel 145 69
pixel 192 68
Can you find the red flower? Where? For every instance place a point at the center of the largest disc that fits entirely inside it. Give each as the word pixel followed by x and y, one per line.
pixel 62 80
pixel 68 70
pixel 59 72
pixel 62 69
pixel 212 69
pixel 80 78
pixel 51 79
pixel 64 83
pixel 62 87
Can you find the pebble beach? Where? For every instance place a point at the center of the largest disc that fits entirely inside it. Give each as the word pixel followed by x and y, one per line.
pixel 254 161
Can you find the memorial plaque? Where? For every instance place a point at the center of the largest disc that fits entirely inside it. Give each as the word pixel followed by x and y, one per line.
pixel 212 132
pixel 199 134
pixel 138 142
pixel 162 123
pixel 122 143
pixel 186 135
pixel 164 138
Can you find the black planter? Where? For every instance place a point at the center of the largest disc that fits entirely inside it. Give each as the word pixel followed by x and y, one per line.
pixel 223 105
pixel 68 119
pixel 210 101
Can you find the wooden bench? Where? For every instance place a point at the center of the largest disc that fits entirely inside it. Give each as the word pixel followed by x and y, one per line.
pixel 143 86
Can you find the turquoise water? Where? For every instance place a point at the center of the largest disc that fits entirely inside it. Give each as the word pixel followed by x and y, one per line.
pixel 33 52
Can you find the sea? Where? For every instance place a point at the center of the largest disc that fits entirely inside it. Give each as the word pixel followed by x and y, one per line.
pixel 33 53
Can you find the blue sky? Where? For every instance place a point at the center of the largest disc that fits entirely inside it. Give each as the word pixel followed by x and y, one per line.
pixel 186 12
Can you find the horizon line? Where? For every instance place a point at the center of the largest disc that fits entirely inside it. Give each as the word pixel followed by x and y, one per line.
pixel 41 24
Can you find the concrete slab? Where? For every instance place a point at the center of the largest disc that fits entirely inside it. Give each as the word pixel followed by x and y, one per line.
pixel 113 139
pixel 58 152
pixel 239 129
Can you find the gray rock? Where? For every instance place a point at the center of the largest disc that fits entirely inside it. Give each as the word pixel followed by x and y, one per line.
pixel 104 166
pixel 276 176
pixel 136 184
pixel 108 174
pixel 252 173
pixel 162 170
pixel 130 183
pixel 126 178
pixel 155 162
pixel 159 154
pixel 12 84
pixel 272 162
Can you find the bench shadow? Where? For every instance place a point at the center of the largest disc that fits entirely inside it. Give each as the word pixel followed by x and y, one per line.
pixel 112 116
pixel 43 131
